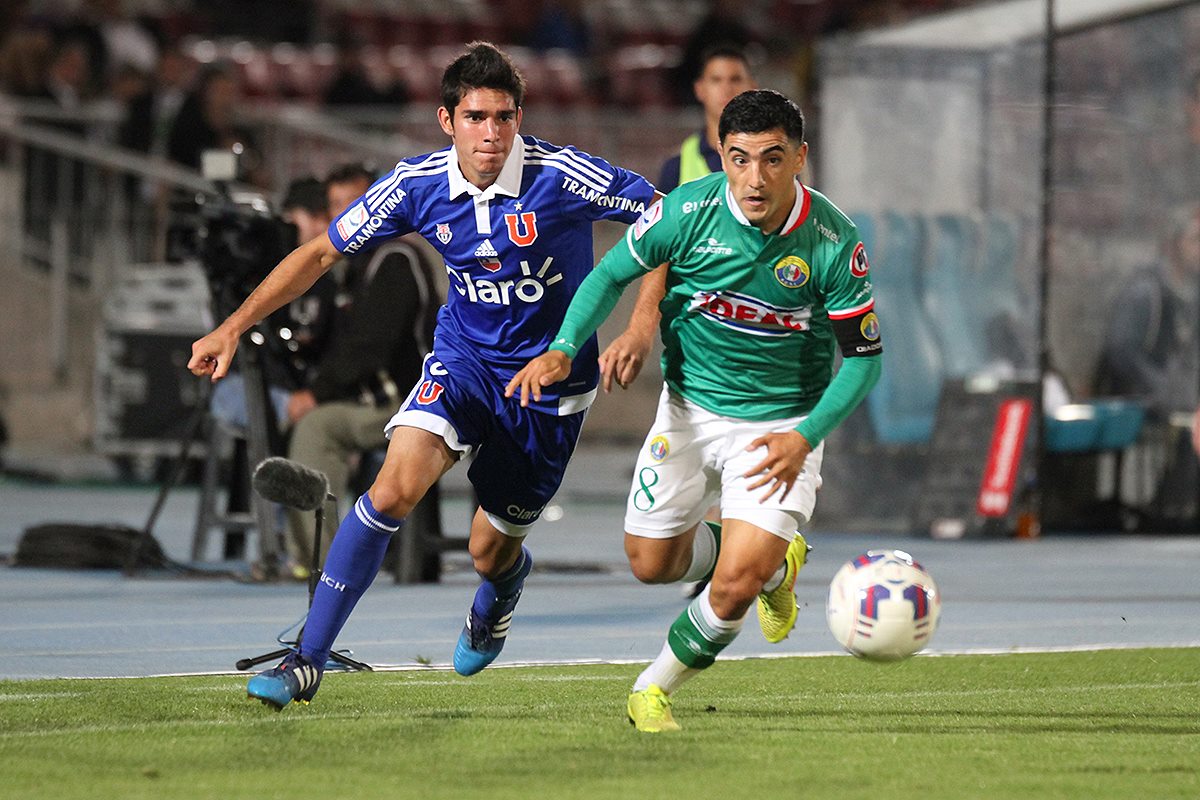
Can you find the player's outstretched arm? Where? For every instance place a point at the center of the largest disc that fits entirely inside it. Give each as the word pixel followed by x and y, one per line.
pixel 550 367
pixel 624 358
pixel 292 277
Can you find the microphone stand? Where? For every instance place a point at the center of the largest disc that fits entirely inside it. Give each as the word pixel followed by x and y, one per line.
pixel 313 576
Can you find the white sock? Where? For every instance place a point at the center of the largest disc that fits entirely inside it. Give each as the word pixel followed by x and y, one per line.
pixel 666 672
pixel 773 582
pixel 704 554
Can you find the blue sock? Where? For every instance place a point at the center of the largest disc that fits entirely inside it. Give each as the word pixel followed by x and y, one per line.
pixel 504 585
pixel 353 561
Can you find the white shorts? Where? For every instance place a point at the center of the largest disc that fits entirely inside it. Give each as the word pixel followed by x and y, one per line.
pixel 693 458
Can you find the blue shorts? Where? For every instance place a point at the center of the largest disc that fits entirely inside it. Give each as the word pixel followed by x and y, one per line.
pixel 520 454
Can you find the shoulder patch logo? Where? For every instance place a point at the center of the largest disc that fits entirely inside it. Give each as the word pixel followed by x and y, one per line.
pixel 349 223
pixel 858 262
pixel 647 220
pixel 444 234
pixel 522 228
pixel 792 271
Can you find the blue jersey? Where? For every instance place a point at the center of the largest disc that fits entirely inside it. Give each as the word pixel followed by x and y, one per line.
pixel 515 252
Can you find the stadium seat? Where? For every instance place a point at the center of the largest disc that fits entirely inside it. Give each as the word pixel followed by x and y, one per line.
pixel 1101 426
pixel 903 404
pixel 947 291
pixel 996 300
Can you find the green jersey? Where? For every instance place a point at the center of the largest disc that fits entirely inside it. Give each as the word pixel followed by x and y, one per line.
pixel 751 322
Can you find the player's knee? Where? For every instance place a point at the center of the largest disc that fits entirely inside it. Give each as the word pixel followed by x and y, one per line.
pixel 394 498
pixel 731 594
pixel 651 567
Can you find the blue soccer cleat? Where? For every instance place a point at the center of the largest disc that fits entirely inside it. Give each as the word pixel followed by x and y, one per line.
pixel 296 678
pixel 483 636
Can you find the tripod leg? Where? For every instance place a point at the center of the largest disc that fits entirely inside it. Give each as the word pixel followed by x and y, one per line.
pixel 259 435
pixel 135 552
pixel 346 661
pixel 247 663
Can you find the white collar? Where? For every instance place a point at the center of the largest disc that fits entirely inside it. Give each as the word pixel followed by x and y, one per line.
pixel 796 215
pixel 508 182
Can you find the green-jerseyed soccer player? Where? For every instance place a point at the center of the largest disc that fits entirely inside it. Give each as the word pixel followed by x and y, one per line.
pixel 766 281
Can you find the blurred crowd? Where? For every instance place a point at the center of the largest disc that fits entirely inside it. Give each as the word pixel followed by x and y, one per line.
pixel 171 75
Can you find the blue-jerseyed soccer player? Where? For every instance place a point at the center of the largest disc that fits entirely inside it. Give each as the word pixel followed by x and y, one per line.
pixel 512 218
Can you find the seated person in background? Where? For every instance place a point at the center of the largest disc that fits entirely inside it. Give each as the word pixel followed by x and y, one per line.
pixel 382 330
pixel 1152 353
pixel 724 74
pixel 1150 347
pixel 306 320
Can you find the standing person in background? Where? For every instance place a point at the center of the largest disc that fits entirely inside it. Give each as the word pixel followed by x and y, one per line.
pixel 723 25
pixel 208 120
pixel 512 218
pixel 724 74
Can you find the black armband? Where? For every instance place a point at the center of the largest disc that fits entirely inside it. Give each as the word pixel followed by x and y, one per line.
pixel 858 335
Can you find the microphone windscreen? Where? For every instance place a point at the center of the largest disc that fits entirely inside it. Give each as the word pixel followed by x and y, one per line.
pixel 284 481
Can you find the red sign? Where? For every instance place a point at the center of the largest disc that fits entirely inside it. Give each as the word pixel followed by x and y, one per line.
pixel 1004 458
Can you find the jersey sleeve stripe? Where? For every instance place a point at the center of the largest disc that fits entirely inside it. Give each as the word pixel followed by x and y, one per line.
pixel 402 170
pixel 373 205
pixel 629 241
pixel 847 313
pixel 571 156
pixel 586 180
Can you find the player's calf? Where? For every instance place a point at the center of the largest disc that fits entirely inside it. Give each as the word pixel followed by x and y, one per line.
pixel 486 629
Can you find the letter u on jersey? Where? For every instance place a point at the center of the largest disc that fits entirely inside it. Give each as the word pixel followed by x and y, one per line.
pixel 429 391
pixel 516 222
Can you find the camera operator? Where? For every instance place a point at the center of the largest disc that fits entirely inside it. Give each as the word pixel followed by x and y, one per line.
pixel 300 330
pixel 382 329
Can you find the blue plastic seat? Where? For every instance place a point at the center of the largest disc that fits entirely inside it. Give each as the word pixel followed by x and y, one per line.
pixel 949 293
pixel 903 405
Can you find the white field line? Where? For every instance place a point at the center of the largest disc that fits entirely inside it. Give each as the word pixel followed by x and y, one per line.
pixel 465 710
pixel 445 667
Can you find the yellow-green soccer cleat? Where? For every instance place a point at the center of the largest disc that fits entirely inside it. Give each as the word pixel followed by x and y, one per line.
pixel 777 608
pixel 650 711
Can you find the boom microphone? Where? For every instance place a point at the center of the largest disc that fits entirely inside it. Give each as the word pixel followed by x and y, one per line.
pixel 289 483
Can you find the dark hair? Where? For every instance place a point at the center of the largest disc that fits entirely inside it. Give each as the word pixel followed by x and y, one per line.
pixel 762 110
pixel 720 51
pixel 483 66
pixel 308 194
pixel 349 172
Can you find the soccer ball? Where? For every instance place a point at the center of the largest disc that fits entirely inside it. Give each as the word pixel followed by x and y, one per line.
pixel 883 605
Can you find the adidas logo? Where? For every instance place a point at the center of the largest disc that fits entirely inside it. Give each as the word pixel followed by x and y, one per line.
pixel 306 676
pixel 486 250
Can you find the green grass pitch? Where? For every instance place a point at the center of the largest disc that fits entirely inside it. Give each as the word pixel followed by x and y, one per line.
pixel 1104 724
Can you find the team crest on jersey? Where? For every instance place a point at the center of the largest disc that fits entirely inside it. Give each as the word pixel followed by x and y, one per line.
pixel 647 220
pixel 858 262
pixel 793 272
pixel 489 259
pixel 444 234
pixel 870 327
pixel 659 447
pixel 352 220
pixel 522 228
